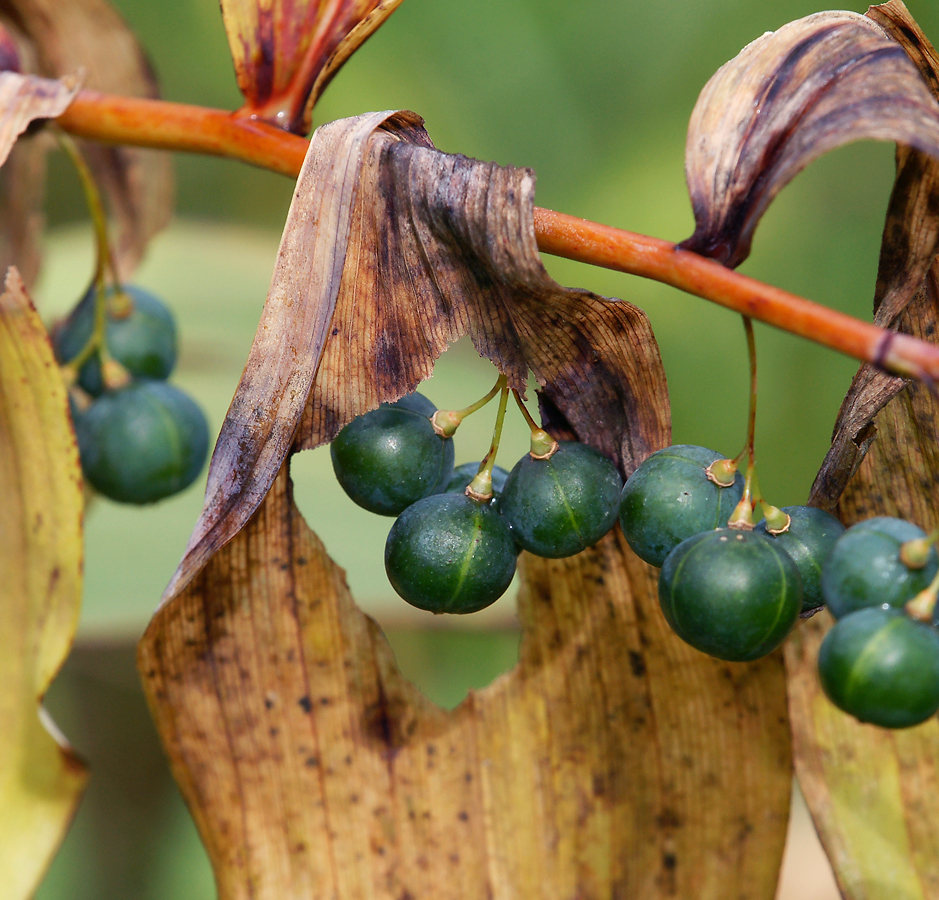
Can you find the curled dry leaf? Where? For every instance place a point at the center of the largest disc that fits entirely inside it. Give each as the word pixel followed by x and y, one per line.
pixel 868 789
pixel 24 99
pixel 287 51
pixel 786 99
pixel 40 558
pixel 90 35
pixel 391 251
pixel 615 761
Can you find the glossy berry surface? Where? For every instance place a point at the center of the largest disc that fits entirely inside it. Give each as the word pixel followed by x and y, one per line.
pixel 142 443
pixel 144 341
pixel 811 535
pixel 465 473
pixel 882 667
pixel 559 506
pixel 732 594
pixel 448 553
pixel 390 457
pixel 669 498
pixel 864 567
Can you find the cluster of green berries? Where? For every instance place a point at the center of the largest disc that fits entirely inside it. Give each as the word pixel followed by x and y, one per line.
pixel 736 594
pixel 453 548
pixel 140 438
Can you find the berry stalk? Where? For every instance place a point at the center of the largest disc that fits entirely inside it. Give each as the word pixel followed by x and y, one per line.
pixel 175 126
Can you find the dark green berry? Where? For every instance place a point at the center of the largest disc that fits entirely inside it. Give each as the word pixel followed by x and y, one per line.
pixel 143 442
pixel 811 535
pixel 465 473
pixel 391 457
pixel 143 340
pixel 669 498
pixel 449 553
pixel 864 567
pixel 732 594
pixel 882 667
pixel 559 506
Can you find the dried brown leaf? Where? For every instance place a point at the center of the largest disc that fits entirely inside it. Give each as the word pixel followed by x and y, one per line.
pixel 24 99
pixel 615 761
pixel 870 790
pixel 90 35
pixel 787 98
pixel 287 51
pixel 391 251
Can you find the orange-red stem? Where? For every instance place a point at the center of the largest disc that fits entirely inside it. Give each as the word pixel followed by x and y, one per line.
pixel 176 126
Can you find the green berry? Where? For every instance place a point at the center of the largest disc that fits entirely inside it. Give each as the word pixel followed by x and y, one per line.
pixel 864 567
pixel 559 506
pixel 143 442
pixel 811 535
pixel 669 498
pixel 143 341
pixel 882 667
pixel 391 457
pixel 732 594
pixel 449 553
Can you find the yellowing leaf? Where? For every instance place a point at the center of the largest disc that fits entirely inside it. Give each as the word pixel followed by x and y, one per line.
pixel 784 100
pixel 287 51
pixel 615 761
pixel 40 558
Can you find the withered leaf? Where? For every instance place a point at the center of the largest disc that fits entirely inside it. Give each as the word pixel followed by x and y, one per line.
pixel 24 99
pixel 287 51
pixel 870 790
pixel 615 761
pixel 787 98
pixel 90 35
pixel 41 779
pixel 908 252
pixel 391 251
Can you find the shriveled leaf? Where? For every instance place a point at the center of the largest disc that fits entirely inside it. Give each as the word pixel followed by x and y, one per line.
pixel 907 254
pixel 40 558
pixel 25 98
pixel 89 34
pixel 787 98
pixel 615 761
pixel 391 251
pixel 870 790
pixel 287 51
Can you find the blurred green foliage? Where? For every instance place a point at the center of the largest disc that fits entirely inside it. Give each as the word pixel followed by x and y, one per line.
pixel 595 98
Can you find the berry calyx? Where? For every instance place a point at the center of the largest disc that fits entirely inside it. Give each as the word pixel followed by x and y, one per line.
pixel 731 594
pixel 449 553
pixel 882 667
pixel 561 505
pixel 669 498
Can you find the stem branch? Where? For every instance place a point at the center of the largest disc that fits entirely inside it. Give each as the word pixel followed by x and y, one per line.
pixel 175 126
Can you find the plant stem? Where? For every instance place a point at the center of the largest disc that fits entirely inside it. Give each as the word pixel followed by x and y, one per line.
pixel 480 488
pixel 175 126
pixel 543 446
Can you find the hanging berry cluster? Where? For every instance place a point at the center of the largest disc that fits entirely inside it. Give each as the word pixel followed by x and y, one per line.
pixel 454 545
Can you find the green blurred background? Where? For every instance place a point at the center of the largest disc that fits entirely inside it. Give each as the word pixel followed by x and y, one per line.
pixel 594 97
